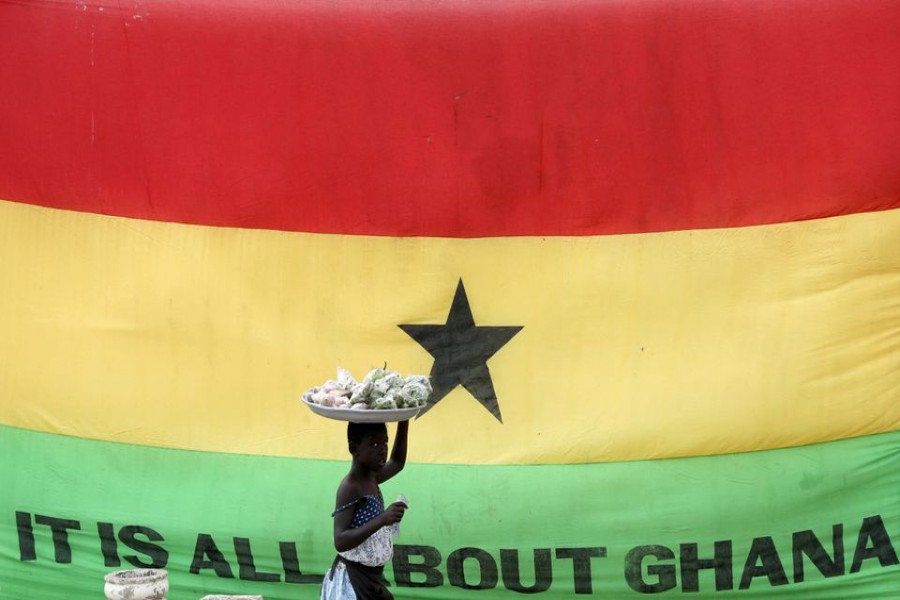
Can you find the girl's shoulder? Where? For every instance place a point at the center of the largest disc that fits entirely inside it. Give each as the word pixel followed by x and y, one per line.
pixel 348 490
pixel 353 486
pixel 369 502
pixel 351 491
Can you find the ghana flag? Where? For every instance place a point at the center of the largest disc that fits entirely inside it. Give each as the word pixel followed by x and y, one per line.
pixel 648 251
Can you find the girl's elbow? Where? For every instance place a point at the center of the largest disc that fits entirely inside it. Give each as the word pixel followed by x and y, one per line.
pixel 340 545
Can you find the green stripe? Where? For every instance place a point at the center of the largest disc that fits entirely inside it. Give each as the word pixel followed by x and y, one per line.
pixel 616 506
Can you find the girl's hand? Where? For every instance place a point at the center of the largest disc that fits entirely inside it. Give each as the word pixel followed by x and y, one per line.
pixel 393 513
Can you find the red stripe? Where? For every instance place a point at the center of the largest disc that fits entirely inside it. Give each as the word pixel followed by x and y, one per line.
pixel 480 119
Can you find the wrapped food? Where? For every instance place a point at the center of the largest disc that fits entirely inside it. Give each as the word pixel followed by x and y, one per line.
pixel 385 402
pixel 345 379
pixel 362 392
pixel 380 389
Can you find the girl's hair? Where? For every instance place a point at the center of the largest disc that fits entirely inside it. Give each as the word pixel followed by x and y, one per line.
pixel 356 431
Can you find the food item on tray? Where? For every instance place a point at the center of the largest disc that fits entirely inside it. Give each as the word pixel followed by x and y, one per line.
pixel 380 389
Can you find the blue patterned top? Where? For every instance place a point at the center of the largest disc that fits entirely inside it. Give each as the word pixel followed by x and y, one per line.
pixel 373 506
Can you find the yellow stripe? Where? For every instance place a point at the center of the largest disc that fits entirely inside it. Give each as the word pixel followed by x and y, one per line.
pixel 633 347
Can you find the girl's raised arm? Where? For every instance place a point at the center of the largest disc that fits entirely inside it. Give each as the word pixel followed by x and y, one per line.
pixel 398 454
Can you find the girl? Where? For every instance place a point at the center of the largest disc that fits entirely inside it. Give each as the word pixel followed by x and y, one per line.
pixel 362 525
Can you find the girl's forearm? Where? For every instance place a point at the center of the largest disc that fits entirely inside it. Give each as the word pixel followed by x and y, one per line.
pixel 351 538
pixel 398 452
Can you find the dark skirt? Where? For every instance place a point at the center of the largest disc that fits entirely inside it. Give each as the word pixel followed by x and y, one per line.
pixel 368 582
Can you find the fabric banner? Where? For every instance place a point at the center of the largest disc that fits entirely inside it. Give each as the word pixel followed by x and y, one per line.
pixel 649 253
pixel 816 521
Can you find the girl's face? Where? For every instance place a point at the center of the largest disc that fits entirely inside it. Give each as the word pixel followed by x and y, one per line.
pixel 372 450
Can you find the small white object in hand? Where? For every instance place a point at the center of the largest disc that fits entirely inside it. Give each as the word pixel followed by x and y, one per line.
pixel 395 528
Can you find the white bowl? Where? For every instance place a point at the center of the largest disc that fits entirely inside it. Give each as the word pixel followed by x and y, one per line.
pixel 359 415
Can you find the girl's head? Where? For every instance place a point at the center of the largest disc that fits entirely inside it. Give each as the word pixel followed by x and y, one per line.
pixel 368 444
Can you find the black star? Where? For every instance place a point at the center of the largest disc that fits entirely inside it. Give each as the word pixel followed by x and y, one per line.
pixel 461 350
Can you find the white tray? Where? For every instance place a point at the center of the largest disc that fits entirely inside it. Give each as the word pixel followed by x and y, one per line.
pixel 356 415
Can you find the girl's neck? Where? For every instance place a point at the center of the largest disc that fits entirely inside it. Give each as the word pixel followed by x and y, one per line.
pixel 361 472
